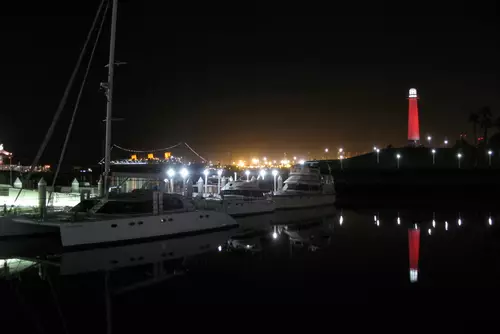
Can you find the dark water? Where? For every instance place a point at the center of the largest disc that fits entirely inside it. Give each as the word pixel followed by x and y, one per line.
pixel 321 256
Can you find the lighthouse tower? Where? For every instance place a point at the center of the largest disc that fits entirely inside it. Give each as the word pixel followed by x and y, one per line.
pixel 413 126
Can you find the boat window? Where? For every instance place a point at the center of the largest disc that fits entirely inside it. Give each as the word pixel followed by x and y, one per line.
pixel 172 203
pixel 300 187
pixel 127 207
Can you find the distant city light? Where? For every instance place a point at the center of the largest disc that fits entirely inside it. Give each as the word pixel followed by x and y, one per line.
pixel 446 142
pixel 247 172
pixel 301 162
pixel 433 151
pixel 205 172
pixel 219 172
pixel 459 155
pixel 341 150
pixel 490 152
pixel 398 156
pixel 262 173
pixel 326 150
pixel 275 172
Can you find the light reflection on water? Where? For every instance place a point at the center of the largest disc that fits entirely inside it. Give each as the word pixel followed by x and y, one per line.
pixel 317 248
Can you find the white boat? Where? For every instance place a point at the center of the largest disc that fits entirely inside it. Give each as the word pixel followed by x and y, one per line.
pixel 305 188
pixel 124 217
pixel 130 216
pixel 239 198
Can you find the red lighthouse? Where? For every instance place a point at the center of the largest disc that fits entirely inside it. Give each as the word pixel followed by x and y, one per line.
pixel 413 126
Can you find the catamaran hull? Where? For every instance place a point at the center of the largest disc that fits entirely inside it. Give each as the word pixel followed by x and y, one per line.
pixel 11 228
pixel 287 202
pixel 150 227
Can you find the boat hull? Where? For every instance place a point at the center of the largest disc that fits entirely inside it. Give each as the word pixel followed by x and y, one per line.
pixel 237 207
pixel 288 202
pixel 140 228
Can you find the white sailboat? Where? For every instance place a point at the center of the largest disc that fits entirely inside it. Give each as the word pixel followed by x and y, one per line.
pixel 125 217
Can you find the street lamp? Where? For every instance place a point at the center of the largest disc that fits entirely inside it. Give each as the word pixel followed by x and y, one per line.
pixel 326 153
pixel 262 174
pixel 275 173
pixel 341 159
pixel 490 153
pixel 247 173
pixel 301 161
pixel 184 174
pixel 205 172
pixel 459 156
pixel 171 174
pixel 219 173
pixel 446 142
pixel 429 139
pixel 433 156
pixel 398 156
pixel 376 149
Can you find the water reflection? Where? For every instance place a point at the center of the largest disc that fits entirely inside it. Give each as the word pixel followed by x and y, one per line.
pixel 321 246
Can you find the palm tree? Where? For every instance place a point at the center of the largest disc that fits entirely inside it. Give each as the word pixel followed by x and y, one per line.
pixel 485 122
pixel 474 119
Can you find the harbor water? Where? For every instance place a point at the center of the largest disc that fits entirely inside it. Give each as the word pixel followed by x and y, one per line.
pixel 323 255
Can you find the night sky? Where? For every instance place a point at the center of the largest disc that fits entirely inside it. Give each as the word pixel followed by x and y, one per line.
pixel 246 83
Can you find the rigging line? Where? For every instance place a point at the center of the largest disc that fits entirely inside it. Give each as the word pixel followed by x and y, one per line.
pixel 147 151
pixel 199 156
pixel 62 103
pixel 75 109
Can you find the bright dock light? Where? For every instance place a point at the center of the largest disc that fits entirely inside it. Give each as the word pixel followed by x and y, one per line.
pixel 171 173
pixel 184 173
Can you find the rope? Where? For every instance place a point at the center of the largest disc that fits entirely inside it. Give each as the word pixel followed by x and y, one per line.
pixel 62 103
pixel 75 109
pixel 147 151
pixel 199 156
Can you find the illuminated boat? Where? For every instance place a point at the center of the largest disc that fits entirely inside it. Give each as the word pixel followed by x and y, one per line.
pixel 305 187
pixel 129 217
pixel 239 198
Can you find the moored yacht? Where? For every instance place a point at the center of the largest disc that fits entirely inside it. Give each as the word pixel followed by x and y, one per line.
pixel 305 187
pixel 239 198
pixel 142 214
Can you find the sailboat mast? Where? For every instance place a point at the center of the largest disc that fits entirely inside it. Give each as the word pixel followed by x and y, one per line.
pixel 109 109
